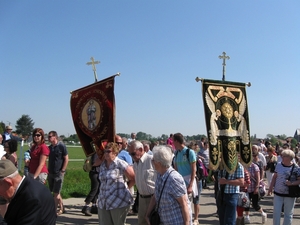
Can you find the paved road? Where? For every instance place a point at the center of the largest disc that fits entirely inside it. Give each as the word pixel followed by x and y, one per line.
pixel 207 212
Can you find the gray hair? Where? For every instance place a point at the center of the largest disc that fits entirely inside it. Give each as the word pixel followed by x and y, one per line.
pixel 163 154
pixel 288 152
pixel 136 144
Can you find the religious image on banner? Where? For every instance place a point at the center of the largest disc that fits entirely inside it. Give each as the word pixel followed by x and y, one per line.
pixel 227 123
pixel 93 114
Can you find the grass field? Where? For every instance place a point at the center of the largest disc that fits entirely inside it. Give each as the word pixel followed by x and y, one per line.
pixel 76 181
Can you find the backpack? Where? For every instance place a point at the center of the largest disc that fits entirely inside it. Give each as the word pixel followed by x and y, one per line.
pixel 201 171
pixel 87 165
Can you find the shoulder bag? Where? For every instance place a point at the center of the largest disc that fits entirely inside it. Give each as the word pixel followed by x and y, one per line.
pixel 294 190
pixel 154 216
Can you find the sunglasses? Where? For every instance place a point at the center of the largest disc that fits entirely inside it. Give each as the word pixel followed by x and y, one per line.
pixel 50 136
pixel 37 135
pixel 119 143
pixel 107 151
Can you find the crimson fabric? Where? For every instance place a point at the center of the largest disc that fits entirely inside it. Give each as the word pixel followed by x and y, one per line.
pixel 93 114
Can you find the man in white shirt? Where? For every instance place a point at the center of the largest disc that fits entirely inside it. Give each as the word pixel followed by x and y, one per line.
pixel 145 178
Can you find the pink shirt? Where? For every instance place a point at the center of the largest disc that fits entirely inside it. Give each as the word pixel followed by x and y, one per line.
pixel 36 152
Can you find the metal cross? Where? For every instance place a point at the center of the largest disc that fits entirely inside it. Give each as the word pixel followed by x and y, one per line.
pixel 224 57
pixel 94 67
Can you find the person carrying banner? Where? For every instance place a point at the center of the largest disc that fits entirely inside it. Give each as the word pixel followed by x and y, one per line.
pixel 229 188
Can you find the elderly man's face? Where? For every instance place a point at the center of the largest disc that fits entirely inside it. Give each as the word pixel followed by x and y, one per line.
pixel 136 153
pixel 6 188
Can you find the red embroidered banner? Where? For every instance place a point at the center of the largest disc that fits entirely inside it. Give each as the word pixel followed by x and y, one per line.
pixel 93 114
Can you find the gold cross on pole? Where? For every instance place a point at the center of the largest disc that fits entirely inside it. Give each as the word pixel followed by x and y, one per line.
pixel 224 57
pixel 93 62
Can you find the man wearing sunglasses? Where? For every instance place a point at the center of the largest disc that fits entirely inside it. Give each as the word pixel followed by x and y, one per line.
pixel 145 178
pixel 58 161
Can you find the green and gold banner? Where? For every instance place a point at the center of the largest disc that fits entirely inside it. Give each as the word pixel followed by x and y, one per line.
pixel 227 123
pixel 93 113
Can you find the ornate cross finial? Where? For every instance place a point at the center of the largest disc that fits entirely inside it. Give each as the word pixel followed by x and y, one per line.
pixel 224 57
pixel 93 62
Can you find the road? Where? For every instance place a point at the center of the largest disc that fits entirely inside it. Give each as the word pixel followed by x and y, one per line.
pixel 207 212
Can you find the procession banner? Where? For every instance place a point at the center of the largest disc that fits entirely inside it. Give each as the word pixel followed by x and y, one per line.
pixel 227 123
pixel 93 114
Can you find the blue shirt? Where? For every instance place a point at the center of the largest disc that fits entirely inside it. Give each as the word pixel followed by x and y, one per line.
pixel 183 163
pixel 169 209
pixel 124 155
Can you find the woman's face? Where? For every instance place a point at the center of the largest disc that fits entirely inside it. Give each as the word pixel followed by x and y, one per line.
pixel 286 159
pixel 37 137
pixel 109 155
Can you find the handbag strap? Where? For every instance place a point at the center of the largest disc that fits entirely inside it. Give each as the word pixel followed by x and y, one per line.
pixel 163 189
pixel 291 171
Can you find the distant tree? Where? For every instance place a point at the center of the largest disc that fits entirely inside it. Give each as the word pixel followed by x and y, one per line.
pixel 164 137
pixel 62 137
pixel 294 142
pixel 24 125
pixel 273 140
pixel 124 135
pixel 141 136
pixel 281 137
pixel 269 136
pixel 2 127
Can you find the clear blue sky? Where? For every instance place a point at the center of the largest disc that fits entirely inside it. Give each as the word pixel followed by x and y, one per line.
pixel 159 47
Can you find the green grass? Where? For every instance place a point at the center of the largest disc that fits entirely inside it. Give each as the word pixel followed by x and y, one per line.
pixel 76 181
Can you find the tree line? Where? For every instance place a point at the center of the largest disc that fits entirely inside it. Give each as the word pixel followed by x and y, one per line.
pixel 25 125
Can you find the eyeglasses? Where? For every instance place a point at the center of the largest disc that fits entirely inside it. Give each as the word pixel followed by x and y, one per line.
pixel 107 151
pixel 37 135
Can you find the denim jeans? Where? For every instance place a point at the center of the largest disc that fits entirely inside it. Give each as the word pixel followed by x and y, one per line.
pixel 288 209
pixel 227 210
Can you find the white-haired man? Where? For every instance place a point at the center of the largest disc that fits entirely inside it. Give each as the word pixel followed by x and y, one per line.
pixel 145 178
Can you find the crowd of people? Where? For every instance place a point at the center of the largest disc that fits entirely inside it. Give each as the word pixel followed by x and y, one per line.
pixel 26 199
pixel 164 176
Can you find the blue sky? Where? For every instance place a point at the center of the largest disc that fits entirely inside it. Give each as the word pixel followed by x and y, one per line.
pixel 159 47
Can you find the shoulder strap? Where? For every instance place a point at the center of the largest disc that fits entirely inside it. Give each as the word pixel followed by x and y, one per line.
pixel 291 171
pixel 188 154
pixel 163 189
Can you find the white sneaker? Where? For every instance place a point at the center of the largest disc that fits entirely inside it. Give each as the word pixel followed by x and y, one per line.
pixel 196 222
pixel 264 217
pixel 247 220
